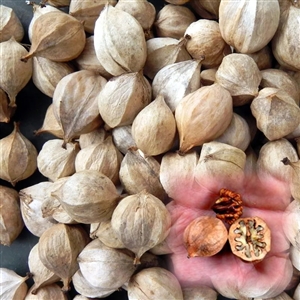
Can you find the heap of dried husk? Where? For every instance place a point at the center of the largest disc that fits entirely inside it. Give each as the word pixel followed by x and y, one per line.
pixel 176 107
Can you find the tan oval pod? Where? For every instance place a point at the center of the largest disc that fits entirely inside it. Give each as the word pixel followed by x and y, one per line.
pixel 199 292
pixel 6 111
pixel 51 291
pixel 244 25
pixel 56 36
pixel 208 76
pixel 263 58
pixel 10 25
pixel 210 109
pixel 57 3
pixel 15 74
pixel 158 121
pixel 91 138
pixel 16 148
pixel 206 10
pixel 119 41
pixel 295 178
pixel 173 20
pixel 75 105
pixel 123 139
pixel 11 222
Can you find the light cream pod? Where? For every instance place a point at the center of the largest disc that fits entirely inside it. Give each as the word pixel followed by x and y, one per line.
pixel 244 25
pixel 119 41
pixel 203 116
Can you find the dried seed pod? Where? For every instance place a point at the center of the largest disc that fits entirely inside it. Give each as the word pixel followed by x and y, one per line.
pixel 204 236
pixel 138 173
pixel 296 295
pixel 65 33
pixel 123 139
pixel 204 41
pixel 88 196
pixel 47 73
pixel 251 161
pixel 285 43
pixel 160 249
pixel 177 80
pixel 51 291
pixel 12 285
pixel 88 12
pixel 41 275
pixel 75 105
pixel 6 111
pixel 50 124
pixel 16 148
pixel 87 60
pixel 270 156
pixel 119 40
pixel 92 138
pixel 205 9
pixel 163 51
pixel 83 287
pixel 158 121
pixel 15 74
pixel 11 223
pixel 276 113
pixel 178 2
pixel 141 221
pixel 143 10
pixel 282 80
pixel 210 108
pixel 155 282
pixel 248 31
pixel 32 199
pixel 10 25
pixel 237 133
pixel 57 3
pixel 58 249
pixel 173 20
pixel 295 257
pixel 239 74
pixel 105 267
pixel 263 58
pixel 199 292
pixel 103 157
pixel 122 98
pixel 250 239
pixel 208 76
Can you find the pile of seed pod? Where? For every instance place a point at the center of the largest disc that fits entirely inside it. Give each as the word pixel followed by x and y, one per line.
pixel 140 94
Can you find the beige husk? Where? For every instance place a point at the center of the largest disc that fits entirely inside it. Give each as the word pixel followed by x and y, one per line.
pixel 91 138
pixel 263 58
pixel 51 291
pixel 199 292
pixel 295 177
pixel 123 139
pixel 6 111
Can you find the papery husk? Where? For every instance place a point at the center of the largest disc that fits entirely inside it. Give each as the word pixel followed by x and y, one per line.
pixel 10 25
pixel 222 161
pixel 295 257
pixel 206 10
pixel 174 163
pixel 6 111
pixel 138 173
pixel 142 10
pixel 239 74
pixel 281 296
pixel 58 249
pixel 158 121
pixel 32 199
pixel 41 275
pixel 50 124
pixel 105 267
pixel 57 3
pixel 56 36
pixel 122 98
pixel 276 113
pixel 296 295
pixel 243 25
pixel 178 2
pixel 199 292
pixel 51 291
pixel 87 12
pixel 15 74
pixel 16 148
pixel 55 161
pixel 208 76
pixel 204 41
pixel 47 73
pixel 119 41
pixel 173 20
pixel 163 51
pixel 160 249
pixel 177 80
pixel 103 157
pixel 263 58
pixel 88 196
pixel 87 60
pixel 270 156
pixel 83 287
pixel 141 221
pixel 92 138
pixel 251 161
pixel 203 116
pixel 237 133
pixel 12 286
pixel 286 42
pixel 123 139
pixel 75 105
pixel 156 282
pixel 282 80
pixel 11 223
